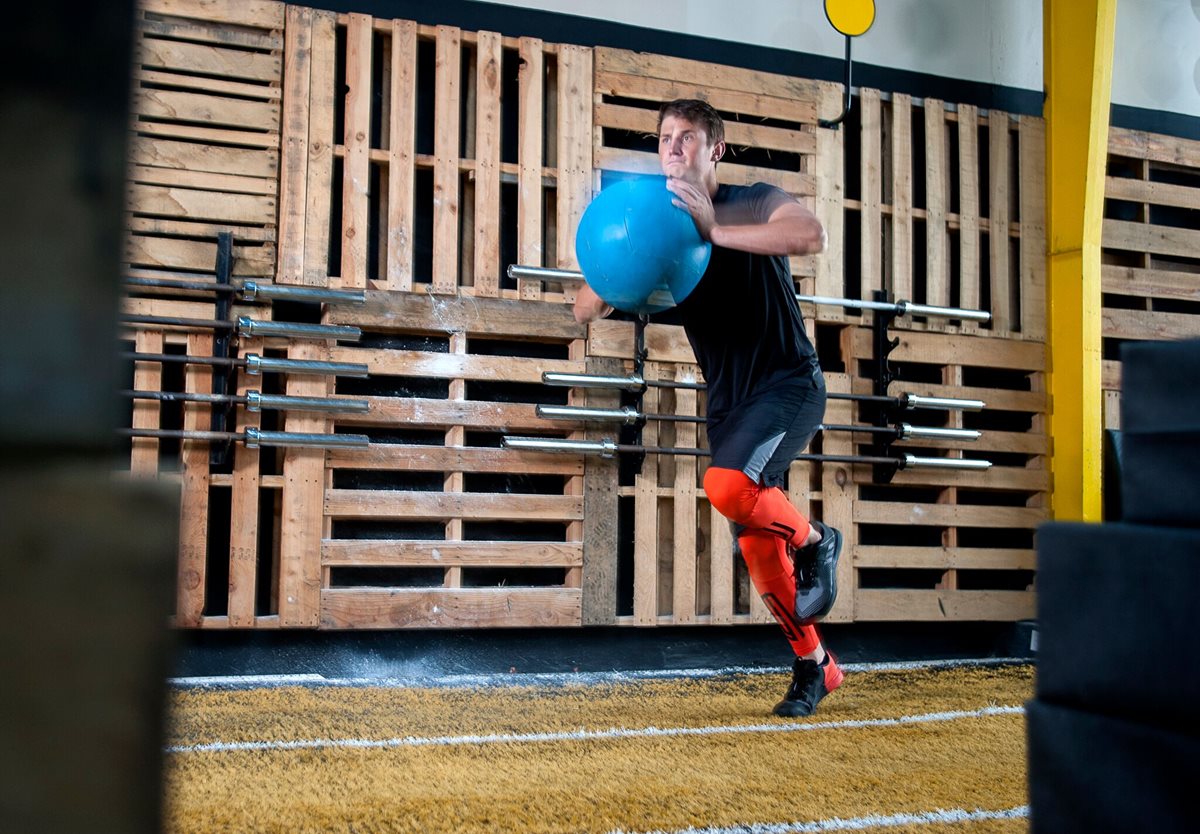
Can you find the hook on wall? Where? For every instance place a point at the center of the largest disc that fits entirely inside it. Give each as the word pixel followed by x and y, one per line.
pixel 851 18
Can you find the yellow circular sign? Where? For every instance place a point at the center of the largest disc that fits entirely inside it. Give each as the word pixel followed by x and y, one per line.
pixel 850 17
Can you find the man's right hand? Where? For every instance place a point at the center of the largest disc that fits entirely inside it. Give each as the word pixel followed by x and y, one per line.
pixel 589 306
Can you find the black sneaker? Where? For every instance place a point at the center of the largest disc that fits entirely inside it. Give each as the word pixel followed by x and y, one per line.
pixel 810 683
pixel 816 575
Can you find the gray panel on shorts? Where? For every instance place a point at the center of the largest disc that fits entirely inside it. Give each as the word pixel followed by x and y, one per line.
pixel 761 455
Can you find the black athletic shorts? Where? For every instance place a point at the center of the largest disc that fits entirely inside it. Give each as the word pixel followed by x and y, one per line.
pixel 762 435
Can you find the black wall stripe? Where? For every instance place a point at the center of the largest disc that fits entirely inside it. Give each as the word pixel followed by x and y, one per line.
pixel 564 28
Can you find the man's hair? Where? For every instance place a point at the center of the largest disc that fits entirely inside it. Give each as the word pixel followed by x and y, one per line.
pixel 698 113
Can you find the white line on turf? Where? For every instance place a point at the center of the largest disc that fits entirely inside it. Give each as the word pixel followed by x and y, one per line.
pixel 556 678
pixel 939 816
pixel 587 735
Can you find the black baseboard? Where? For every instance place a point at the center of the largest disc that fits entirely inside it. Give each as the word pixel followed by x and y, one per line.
pixel 380 654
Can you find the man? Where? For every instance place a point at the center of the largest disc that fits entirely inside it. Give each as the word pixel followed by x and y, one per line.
pixel 766 394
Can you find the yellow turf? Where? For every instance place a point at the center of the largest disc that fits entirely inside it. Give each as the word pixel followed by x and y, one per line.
pixel 598 785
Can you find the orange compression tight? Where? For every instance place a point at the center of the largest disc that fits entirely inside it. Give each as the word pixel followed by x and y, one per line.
pixel 744 502
pixel 773 576
pixel 771 523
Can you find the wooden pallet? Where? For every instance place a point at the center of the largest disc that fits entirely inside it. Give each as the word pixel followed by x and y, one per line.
pixel 1151 274
pixel 204 151
pixel 464 534
pixel 394 198
pixel 935 183
pixel 936 544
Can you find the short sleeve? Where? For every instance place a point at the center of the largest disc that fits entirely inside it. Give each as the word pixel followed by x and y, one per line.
pixel 764 199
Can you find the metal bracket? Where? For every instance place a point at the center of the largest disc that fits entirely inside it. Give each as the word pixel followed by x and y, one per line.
pixel 632 435
pixel 225 345
pixel 884 344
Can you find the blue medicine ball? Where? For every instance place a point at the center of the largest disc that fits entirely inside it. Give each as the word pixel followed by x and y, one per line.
pixel 638 251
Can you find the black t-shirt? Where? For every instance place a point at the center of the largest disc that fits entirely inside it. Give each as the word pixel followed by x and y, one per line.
pixel 742 319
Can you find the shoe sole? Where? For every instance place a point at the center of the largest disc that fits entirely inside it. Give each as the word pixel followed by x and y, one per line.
pixel 813 610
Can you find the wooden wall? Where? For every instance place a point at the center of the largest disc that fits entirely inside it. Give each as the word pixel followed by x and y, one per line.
pixel 1151 247
pixel 415 163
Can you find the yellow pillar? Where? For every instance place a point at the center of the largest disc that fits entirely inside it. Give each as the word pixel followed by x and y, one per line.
pixel 1078 47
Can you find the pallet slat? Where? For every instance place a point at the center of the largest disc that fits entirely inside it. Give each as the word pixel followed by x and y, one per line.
pixel 401 155
pixel 487 164
pixel 574 147
pixel 901 180
pixel 210 60
pixel 531 85
pixel 198 256
pixel 871 184
pixel 244 508
pixel 457 608
pixel 193 504
pixel 313 156
pixel 446 154
pixel 937 198
pixel 261 14
pixel 199 158
pixel 357 139
pixel 204 109
pixel 900 605
pixel 404 553
pixel 1032 150
pixel 416 458
pixel 998 201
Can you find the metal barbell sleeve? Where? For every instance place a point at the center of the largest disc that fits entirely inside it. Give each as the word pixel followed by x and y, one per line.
pixel 255 438
pixel 905 432
pixel 541 273
pixel 297 330
pixel 256 364
pixel 252 290
pixel 911 401
pixel 256 401
pixel 944 463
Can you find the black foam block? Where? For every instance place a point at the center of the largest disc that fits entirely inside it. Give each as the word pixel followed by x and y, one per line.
pixel 1118 630
pixel 1089 774
pixel 1113 507
pixel 1159 390
pixel 1160 477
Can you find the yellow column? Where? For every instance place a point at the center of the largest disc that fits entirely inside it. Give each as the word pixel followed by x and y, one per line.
pixel 1078 46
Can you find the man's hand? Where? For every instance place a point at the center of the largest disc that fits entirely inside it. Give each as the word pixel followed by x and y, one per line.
pixel 696 202
pixel 589 306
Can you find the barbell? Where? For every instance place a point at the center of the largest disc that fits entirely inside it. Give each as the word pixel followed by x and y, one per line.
pixel 252 290
pixel 257 401
pixel 898 308
pixel 253 438
pixel 608 448
pixel 255 364
pixel 247 326
pixel 636 383
pixel 631 416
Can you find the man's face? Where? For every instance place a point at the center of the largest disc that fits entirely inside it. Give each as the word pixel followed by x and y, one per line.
pixel 684 150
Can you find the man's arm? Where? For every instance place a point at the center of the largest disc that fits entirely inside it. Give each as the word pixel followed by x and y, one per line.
pixel 791 229
pixel 589 306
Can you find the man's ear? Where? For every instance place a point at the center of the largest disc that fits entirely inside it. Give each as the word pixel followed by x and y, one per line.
pixel 718 151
